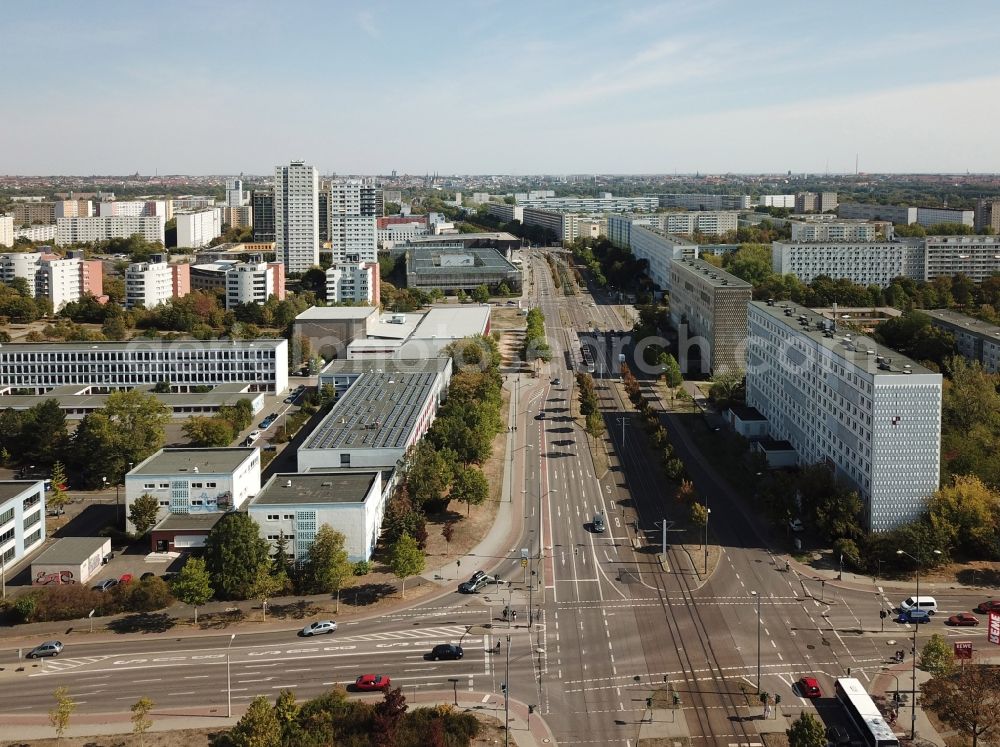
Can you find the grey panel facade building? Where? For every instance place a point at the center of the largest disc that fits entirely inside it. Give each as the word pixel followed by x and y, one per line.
pixel 976 340
pixel 710 304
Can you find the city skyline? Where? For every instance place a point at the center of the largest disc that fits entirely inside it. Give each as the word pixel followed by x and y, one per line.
pixel 502 88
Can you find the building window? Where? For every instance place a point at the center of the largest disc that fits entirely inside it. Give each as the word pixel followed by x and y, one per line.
pixel 272 517
pixel 7 515
pixel 149 485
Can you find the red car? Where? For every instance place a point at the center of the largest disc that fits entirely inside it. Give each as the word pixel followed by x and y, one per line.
pixel 370 682
pixel 963 619
pixel 809 688
pixel 993 605
pixel 125 579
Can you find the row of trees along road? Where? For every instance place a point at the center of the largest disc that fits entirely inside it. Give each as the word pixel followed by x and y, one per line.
pixel 445 465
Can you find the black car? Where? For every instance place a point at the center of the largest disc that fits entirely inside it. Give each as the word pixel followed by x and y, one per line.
pixel 147 574
pixel 446 651
pixel 476 576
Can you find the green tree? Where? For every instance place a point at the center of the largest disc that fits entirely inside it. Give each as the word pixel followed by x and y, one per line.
pixel 280 563
pixel 968 700
pixel 671 369
pixel 234 551
pixel 58 497
pixel 129 428
pixel 259 726
pixel 142 513
pixel 208 432
pixel 193 585
pixel 751 262
pixel 327 568
pixel 405 560
pixel 427 474
pixel 265 585
pixel 969 512
pixel 728 388
pixel 141 722
pixel 699 515
pixel 60 714
pixel 806 731
pixel 481 294
pixel 43 436
pixel 286 709
pixel 937 657
pixel 469 486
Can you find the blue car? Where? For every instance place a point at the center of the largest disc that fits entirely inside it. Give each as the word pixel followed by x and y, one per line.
pixel 914 616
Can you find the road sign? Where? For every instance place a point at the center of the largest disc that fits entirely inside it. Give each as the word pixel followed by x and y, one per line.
pixel 994 628
pixel 963 649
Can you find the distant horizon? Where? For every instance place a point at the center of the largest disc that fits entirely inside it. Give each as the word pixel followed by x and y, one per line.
pixel 512 88
pixel 516 175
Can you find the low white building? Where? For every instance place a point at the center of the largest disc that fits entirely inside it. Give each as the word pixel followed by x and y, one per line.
pixel 353 282
pixel 148 284
pixel 254 282
pixel 351 502
pixel 22 519
pixel 37 233
pixel 383 413
pixel 197 228
pixel 194 481
pixel 862 262
pixel 70 560
pixel 262 364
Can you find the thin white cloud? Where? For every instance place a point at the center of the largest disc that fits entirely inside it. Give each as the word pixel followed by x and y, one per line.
pixel 366 21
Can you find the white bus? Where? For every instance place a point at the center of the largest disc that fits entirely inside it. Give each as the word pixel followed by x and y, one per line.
pixel 863 712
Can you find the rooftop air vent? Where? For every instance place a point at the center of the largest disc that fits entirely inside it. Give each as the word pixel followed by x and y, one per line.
pixel 195 470
pixel 327 485
pixel 288 483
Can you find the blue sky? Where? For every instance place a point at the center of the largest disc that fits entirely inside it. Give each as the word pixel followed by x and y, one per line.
pixel 500 87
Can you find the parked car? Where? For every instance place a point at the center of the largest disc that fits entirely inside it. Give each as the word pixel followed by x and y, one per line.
pixel 963 620
pixel 49 648
pixel 809 687
pixel 319 627
pixel 991 605
pixel 556 382
pixel 446 651
pixel 147 574
pixel 796 525
pixel 106 584
pixel 254 435
pixel 372 682
pixel 126 578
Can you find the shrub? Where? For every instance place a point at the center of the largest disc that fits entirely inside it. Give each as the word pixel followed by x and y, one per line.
pixel 362 568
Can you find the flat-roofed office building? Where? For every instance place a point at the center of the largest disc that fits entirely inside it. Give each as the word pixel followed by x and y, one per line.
pixel 262 363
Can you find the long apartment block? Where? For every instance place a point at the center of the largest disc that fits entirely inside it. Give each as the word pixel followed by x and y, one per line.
pixel 840 399
pixel 263 364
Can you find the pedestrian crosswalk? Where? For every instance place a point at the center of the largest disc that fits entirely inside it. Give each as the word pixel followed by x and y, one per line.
pixel 54 664
pixel 445 632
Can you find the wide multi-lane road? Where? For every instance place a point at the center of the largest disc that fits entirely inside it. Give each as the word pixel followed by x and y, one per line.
pixel 602 619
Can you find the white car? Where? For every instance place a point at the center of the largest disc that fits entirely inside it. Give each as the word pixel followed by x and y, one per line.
pixel 254 435
pixel 796 525
pixel 319 627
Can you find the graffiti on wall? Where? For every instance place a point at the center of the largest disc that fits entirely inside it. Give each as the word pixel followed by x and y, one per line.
pixel 57 577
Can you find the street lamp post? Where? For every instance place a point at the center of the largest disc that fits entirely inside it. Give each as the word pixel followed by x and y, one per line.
pixel 506 698
pixel 757 596
pixel 913 689
pixel 229 680
pixel 708 514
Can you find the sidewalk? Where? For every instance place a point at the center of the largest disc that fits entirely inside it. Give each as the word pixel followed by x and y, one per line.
pixel 526 730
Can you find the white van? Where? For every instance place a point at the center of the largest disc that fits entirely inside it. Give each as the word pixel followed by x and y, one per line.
pixel 927 604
